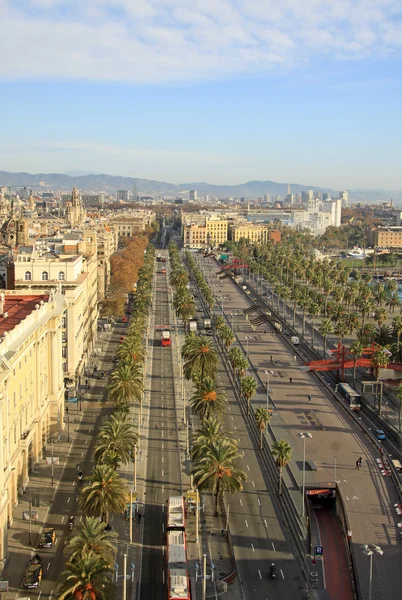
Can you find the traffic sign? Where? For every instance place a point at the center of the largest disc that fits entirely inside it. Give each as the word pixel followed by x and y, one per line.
pixel 319 550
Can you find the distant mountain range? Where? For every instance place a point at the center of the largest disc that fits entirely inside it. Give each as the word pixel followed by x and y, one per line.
pixel 96 182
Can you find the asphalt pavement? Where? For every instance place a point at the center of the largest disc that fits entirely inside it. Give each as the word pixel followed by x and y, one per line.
pixel 335 445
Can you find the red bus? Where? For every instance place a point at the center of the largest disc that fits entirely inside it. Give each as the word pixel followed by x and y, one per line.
pixel 177 579
pixel 165 338
pixel 176 515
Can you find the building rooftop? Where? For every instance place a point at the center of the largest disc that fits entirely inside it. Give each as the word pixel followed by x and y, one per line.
pixel 18 307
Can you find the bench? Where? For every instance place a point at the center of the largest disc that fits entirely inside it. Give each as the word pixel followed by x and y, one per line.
pixel 311 465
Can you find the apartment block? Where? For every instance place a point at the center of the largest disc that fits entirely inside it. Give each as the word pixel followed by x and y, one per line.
pixel 31 390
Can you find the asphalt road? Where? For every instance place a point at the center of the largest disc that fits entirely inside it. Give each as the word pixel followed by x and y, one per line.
pixel 368 496
pixel 65 501
pixel 257 529
pixel 163 468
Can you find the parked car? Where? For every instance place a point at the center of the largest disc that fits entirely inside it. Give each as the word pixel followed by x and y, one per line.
pixel 33 574
pixel 379 434
pixel 47 538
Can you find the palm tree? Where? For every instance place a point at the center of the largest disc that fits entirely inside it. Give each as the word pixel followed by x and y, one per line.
pixel 207 400
pixel 227 336
pixel 263 417
pixel 367 333
pixel 380 315
pixel 210 431
pixel 92 537
pixel 238 361
pixel 116 441
pixel 325 330
pixel 126 384
pixel 282 453
pixel 105 493
pixel 248 387
pixel 341 329
pixel 397 327
pixel 357 350
pixel 200 357
pixel 88 577
pixel 313 310
pixel 398 394
pixel 217 472
pixel 131 350
pixel 379 360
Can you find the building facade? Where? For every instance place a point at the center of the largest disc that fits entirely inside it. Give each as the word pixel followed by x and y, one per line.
pixel 31 390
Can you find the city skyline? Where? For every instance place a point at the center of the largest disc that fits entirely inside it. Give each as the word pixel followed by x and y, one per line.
pixel 225 93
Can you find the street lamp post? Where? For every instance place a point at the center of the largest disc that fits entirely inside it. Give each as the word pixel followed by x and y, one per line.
pixel 131 516
pixel 267 374
pixel 368 550
pixel 52 465
pixel 304 435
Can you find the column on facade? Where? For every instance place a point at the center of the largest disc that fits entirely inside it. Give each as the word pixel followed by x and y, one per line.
pixel 55 362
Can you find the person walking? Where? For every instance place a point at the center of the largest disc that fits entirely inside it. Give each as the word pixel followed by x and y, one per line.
pixel 86 383
pixel 309 397
pixel 290 380
pixel 358 465
pixel 139 518
pixel 360 462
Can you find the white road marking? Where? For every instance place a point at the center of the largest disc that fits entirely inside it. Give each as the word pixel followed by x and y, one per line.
pixel 246 522
pixel 235 428
pixel 252 547
pixel 40 594
pixel 253 484
pixel 163 528
pixel 74 483
pixel 273 547
pixel 244 453
pixel 163 473
pixel 163 488
pixel 62 519
pixel 162 458
pixel 259 501
pixel 265 523
pixel 232 417
pixel 259 573
pixel 163 445
pixel 48 565
pixel 82 454
pixel 239 440
pixel 241 503
pixel 86 441
pixel 68 500
pixel 163 576
pixel 283 576
pixel 248 468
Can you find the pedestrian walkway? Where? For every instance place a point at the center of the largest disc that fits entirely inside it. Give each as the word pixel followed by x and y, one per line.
pixel 48 480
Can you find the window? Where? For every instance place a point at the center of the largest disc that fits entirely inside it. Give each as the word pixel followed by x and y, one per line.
pixel 28 276
pixel 45 276
pixel 62 276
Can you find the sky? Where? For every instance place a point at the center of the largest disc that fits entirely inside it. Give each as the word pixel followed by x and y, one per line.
pixel 223 91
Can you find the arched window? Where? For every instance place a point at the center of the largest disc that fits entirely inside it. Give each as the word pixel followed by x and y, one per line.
pixel 45 276
pixel 62 276
pixel 28 276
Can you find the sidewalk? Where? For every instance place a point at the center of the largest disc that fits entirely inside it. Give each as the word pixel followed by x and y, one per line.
pixel 22 544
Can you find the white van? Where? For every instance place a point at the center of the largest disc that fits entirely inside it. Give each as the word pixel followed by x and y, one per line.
pixel 295 340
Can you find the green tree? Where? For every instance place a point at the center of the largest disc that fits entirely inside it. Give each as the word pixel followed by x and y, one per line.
pixel 217 472
pixel 200 357
pixel 207 400
pixel 397 327
pixel 126 384
pixel 116 441
pixel 248 387
pixel 325 330
pixel 356 350
pixel 262 417
pixel 282 452
pixel 210 431
pixel 106 493
pixel 92 537
pixel 398 394
pixel 88 577
pixel 379 360
pixel 227 336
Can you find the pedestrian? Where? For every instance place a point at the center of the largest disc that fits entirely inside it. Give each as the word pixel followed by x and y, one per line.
pixel 290 380
pixel 86 383
pixel 360 461
pixel 309 397
pixel 295 358
pixel 139 517
pixel 357 465
pixel 156 426
pixel 271 358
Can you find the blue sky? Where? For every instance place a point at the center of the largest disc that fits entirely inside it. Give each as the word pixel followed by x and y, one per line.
pixel 221 91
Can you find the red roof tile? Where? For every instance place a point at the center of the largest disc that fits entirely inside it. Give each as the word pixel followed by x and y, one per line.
pixel 18 307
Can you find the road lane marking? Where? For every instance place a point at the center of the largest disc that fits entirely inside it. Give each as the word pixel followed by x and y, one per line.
pixel 259 501
pixel 239 440
pixel 241 503
pixel 231 417
pixel 163 473
pixel 162 458
pixel 163 508
pixel 253 484
pixel 265 523
pixel 62 519
pixel 68 500
pixel 235 428
pixel 259 573
pixel 74 483
pixel 246 522
pixel 243 453
pixel 86 441
pixel 40 594
pixel 163 576
pixel 248 468
pixel 283 576
pixel 273 547
pixel 82 454
pixel 163 528
pixel 252 547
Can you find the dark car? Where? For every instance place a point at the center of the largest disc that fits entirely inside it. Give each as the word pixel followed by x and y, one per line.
pixel 33 574
pixel 47 538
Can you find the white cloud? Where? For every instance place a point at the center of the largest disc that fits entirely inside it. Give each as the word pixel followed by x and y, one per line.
pixel 146 41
